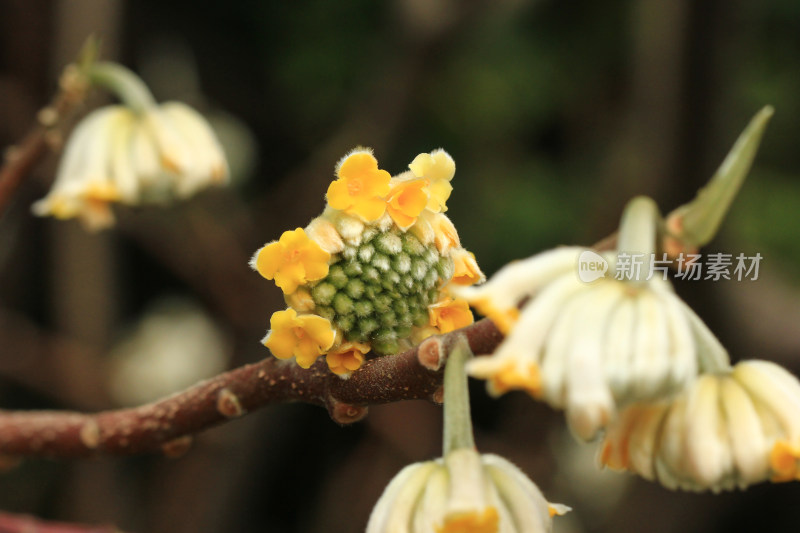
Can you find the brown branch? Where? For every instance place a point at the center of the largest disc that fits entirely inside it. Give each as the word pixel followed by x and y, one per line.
pixel 20 159
pixel 167 425
pixel 13 523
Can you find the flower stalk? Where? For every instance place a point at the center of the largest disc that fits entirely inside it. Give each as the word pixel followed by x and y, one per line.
pixel 126 85
pixel 457 418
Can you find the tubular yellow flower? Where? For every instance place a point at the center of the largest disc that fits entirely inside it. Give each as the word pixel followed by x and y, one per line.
pixel 304 337
pixel 462 492
pixel 361 187
pixel 588 347
pixel 406 201
pixel 118 155
pixel 445 235
pixel 726 430
pixel 373 276
pixel 465 268
pixel 449 315
pixel 292 261
pixel 347 357
pixel 438 168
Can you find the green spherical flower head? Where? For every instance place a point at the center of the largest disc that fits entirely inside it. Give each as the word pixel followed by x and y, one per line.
pixel 376 291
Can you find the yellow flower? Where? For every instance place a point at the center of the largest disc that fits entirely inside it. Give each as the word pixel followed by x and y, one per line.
pixel 347 357
pixel 292 261
pixel 597 345
pixel 449 315
pixel 465 268
pixel 463 492
pixel 361 187
pixel 438 168
pixel 445 235
pixel 406 201
pixel 725 431
pixel 304 337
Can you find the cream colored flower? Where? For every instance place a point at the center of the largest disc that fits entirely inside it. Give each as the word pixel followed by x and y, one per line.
pixel 462 492
pixel 727 430
pixel 587 347
pixel 117 155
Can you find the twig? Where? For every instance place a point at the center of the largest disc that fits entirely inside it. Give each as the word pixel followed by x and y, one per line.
pixel 13 523
pixel 20 159
pixel 167 425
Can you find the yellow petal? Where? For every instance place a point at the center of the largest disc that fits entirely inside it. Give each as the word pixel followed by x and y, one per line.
pixel 450 315
pixel 292 261
pixel 445 234
pixel 486 521
pixel 305 337
pixel 361 187
pixel 439 192
pixel 347 357
pixel 465 268
pixel 406 201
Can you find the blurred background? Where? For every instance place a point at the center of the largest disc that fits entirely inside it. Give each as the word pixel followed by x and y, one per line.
pixel 555 113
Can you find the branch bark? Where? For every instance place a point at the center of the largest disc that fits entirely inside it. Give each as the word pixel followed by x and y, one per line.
pixel 13 523
pixel 20 159
pixel 167 425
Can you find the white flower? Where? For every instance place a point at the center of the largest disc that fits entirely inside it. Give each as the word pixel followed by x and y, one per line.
pixel 727 430
pixel 117 155
pixel 588 347
pixel 463 492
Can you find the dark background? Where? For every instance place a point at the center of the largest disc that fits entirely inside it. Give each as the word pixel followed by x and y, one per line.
pixel 556 113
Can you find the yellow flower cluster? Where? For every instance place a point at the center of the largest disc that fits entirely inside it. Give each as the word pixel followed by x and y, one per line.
pixel 372 272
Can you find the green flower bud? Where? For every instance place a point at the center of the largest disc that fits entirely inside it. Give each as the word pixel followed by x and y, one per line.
pixel 388 319
pixel 386 347
pixel 382 303
pixel 342 304
pixel 353 269
pixel 381 262
pixel 367 325
pixel 431 279
pixel 326 312
pixel 431 256
pixel 420 318
pixel 337 277
pixel 345 322
pixel 369 234
pixel 363 308
pixel 400 307
pixel 388 243
pixel 371 275
pixel 445 267
pixel 323 293
pixel 401 263
pixel 411 245
pixel 355 288
pixel 418 269
pixel 366 252
pixel 390 281
pixel 371 291
pixel 349 253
